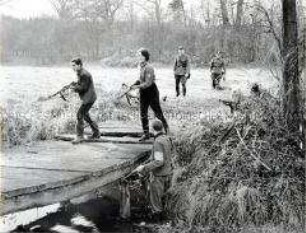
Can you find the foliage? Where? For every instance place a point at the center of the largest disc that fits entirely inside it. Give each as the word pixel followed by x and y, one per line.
pixel 255 175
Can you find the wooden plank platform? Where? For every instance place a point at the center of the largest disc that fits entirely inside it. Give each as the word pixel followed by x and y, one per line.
pixel 54 171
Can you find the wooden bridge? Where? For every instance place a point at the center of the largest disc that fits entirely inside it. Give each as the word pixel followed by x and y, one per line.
pixel 48 172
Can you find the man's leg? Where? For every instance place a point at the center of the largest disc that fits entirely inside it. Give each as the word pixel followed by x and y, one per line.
pixel 93 125
pixel 156 192
pixel 213 78
pixel 155 105
pixel 80 125
pixel 218 79
pixel 184 80
pixel 144 107
pixel 177 84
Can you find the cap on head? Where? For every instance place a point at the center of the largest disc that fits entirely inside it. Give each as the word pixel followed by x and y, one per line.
pixel 157 125
pixel 180 47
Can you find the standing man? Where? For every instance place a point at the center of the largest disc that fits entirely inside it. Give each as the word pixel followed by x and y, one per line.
pixel 181 70
pixel 149 94
pixel 86 90
pixel 217 69
pixel 159 168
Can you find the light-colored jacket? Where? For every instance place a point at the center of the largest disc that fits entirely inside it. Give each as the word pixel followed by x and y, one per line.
pixel 160 166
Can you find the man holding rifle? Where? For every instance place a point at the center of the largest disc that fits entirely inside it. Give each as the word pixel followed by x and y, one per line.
pixel 86 90
pixel 149 94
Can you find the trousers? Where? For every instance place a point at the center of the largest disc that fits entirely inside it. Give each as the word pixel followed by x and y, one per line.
pixel 180 79
pixel 149 97
pixel 83 114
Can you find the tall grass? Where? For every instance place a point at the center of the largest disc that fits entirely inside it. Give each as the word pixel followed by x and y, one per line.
pixel 248 171
pixel 23 122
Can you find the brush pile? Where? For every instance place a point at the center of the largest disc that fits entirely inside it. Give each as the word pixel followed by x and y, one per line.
pixel 248 171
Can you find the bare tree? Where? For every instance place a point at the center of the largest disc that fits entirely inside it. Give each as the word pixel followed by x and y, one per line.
pixel 270 25
pixel 224 12
pixel 178 10
pixel 63 8
pixel 107 9
pixel 291 82
pixel 239 12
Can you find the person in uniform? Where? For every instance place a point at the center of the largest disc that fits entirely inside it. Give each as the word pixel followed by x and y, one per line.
pixel 181 70
pixel 217 69
pixel 159 168
pixel 86 90
pixel 148 94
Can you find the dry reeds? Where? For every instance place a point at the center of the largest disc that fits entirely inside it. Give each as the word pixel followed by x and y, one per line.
pixel 249 171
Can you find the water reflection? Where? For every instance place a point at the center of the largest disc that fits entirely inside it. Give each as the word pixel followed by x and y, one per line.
pixel 96 216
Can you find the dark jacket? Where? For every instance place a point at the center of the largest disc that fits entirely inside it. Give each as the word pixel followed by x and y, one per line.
pixel 217 65
pixel 162 143
pixel 85 87
pixel 182 65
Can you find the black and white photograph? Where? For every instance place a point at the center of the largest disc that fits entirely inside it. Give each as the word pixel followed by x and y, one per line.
pixel 153 116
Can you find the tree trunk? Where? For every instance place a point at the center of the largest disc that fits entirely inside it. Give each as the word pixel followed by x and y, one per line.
pixel 239 13
pixel 224 12
pixel 291 82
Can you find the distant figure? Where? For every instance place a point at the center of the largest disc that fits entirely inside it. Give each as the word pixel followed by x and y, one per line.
pixel 181 70
pixel 149 94
pixel 217 69
pixel 159 168
pixel 86 90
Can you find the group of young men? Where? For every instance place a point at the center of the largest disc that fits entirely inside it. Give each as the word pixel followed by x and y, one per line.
pixel 159 165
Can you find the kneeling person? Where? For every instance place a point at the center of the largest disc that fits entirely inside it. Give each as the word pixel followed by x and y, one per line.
pixel 159 167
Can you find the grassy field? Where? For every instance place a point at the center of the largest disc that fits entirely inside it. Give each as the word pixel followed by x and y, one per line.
pixel 217 187
pixel 25 120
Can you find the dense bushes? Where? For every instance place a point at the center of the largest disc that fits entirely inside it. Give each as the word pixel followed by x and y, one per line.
pixel 250 171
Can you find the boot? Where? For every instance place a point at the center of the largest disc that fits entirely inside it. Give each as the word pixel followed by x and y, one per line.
pixel 78 140
pixel 144 137
pixel 94 136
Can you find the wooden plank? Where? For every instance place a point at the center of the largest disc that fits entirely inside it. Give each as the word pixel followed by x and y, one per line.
pixel 116 137
pixel 66 192
pixel 86 157
pixel 52 171
pixel 118 129
pixel 13 178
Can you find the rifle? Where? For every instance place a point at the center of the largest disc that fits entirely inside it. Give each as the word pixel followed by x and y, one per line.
pixel 60 92
pixel 127 95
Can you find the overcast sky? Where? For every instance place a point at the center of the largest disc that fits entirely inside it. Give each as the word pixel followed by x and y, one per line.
pixel 34 8
pixel 27 8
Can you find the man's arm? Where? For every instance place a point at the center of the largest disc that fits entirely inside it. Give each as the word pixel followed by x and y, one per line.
pixel 188 66
pixel 224 69
pixel 83 84
pixel 149 75
pixel 211 64
pixel 158 159
pixel 174 67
